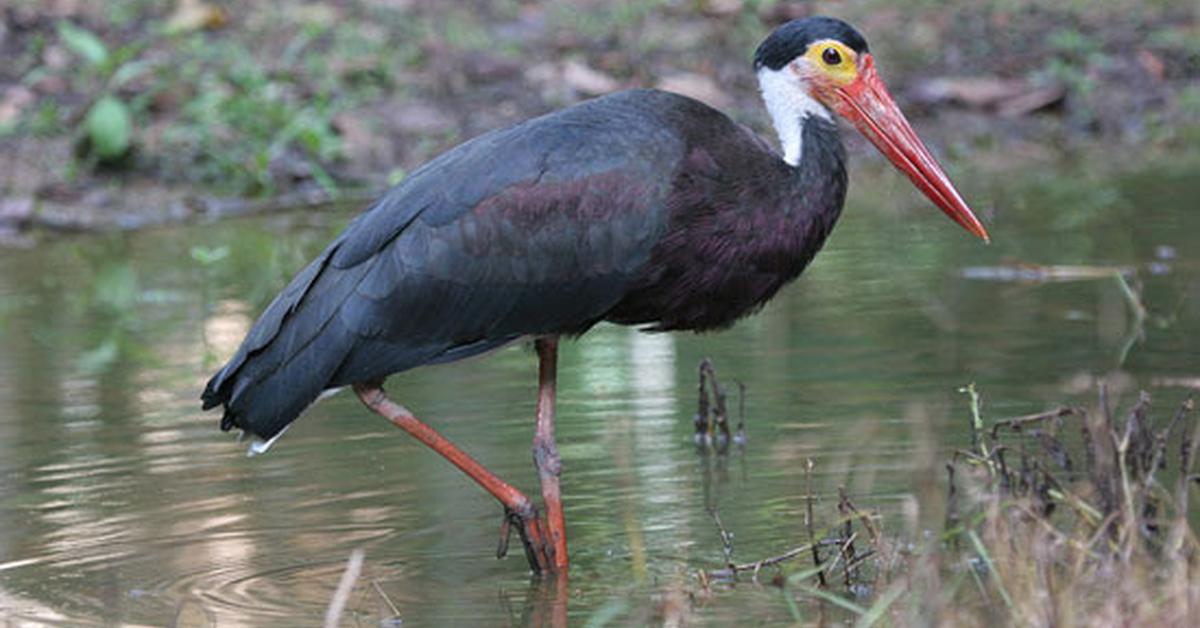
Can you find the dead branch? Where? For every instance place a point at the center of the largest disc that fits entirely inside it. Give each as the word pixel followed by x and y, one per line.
pixel 1017 423
pixel 344 587
pixel 808 521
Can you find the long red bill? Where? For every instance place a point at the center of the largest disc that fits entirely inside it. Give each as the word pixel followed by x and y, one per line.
pixel 867 104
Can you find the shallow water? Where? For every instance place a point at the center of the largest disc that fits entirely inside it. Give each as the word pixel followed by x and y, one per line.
pixel 121 503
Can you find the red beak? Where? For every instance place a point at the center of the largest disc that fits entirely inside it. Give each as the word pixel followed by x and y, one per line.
pixel 867 104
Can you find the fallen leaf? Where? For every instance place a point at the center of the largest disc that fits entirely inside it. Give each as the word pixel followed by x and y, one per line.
pixel 972 92
pixel 587 80
pixel 420 119
pixel 192 15
pixel 1007 96
pixel 1152 64
pixel 1034 100
pixel 567 78
pixel 13 102
pixel 484 67
pixel 699 86
pixel 722 8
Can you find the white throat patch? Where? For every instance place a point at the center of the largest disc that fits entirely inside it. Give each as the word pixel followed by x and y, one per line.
pixel 789 104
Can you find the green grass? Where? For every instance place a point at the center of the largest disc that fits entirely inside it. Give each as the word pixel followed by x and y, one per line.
pixel 250 107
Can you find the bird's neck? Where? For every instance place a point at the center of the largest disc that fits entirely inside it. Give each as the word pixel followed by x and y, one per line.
pixel 821 171
pixel 818 181
pixel 790 109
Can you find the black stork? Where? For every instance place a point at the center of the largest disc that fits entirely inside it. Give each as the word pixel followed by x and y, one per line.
pixel 638 208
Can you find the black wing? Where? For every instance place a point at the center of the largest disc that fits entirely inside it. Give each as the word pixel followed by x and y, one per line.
pixel 534 229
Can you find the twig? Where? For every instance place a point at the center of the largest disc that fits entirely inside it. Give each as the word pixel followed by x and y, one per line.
pixel 953 517
pixel 1105 408
pixel 711 421
pixel 864 519
pixel 722 420
pixel 345 586
pixel 845 554
pixel 1137 330
pixel 1187 456
pixel 847 549
pixel 731 570
pixel 861 558
pixel 387 600
pixel 1160 439
pixel 1053 447
pixel 1098 458
pixel 700 421
pixel 808 520
pixel 976 420
pixel 971 457
pixel 726 537
pixel 1016 423
pixel 739 437
pixel 1121 444
pixel 718 426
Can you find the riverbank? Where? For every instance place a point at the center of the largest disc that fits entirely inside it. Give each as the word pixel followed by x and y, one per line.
pixel 130 113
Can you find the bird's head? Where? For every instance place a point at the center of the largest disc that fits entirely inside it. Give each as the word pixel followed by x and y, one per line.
pixel 810 66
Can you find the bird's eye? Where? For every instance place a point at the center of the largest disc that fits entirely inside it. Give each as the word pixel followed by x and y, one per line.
pixel 831 56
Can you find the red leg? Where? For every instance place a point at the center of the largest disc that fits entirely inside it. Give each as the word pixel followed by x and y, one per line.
pixel 545 452
pixel 517 507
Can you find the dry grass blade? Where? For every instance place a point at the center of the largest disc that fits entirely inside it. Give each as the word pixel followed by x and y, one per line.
pixel 881 606
pixel 986 557
pixel 1042 542
pixel 832 598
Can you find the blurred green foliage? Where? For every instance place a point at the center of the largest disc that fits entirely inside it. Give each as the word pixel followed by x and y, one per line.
pixel 108 125
pixel 258 101
pixel 238 117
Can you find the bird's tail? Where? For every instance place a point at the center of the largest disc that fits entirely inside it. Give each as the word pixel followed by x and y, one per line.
pixel 262 394
pixel 289 355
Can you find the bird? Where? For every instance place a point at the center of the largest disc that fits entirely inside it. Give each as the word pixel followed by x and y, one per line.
pixel 642 207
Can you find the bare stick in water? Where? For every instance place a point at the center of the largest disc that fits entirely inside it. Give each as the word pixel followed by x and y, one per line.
pixel 345 586
pixel 808 521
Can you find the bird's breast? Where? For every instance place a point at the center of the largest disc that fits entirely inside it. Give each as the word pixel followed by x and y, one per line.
pixel 708 274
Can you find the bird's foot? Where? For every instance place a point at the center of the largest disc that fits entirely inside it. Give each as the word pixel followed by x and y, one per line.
pixel 532 531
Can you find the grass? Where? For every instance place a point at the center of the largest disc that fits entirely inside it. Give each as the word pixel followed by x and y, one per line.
pixel 243 110
pixel 249 103
pixel 1067 518
pixel 242 121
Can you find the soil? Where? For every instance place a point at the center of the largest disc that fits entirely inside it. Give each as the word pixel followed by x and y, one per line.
pixel 409 78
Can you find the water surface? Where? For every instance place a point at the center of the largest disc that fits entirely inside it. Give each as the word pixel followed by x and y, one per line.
pixel 121 503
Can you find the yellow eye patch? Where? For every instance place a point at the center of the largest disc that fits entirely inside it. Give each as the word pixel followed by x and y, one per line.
pixel 834 59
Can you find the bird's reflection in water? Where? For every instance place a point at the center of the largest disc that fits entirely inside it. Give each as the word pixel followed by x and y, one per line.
pixel 546 604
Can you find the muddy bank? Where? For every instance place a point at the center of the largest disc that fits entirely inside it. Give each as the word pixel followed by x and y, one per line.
pixel 232 109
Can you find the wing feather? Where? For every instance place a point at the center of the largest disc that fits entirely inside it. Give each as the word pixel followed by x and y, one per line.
pixel 536 229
